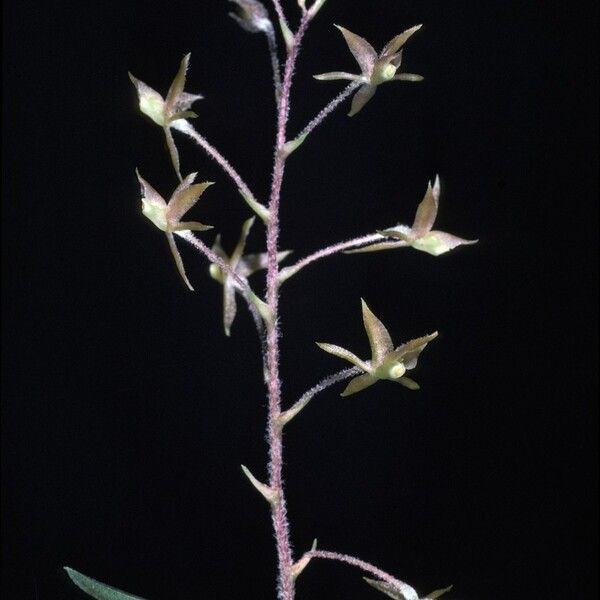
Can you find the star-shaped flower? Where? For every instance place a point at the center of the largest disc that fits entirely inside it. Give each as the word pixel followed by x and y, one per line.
pixel 170 111
pixel 386 362
pixel 406 592
pixel 375 69
pixel 242 265
pixel 420 236
pixel 167 215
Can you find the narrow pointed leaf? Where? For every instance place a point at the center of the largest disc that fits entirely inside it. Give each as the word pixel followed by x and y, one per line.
pixel 379 337
pixel 400 591
pixel 358 383
pixel 178 260
pixel 178 84
pixel 363 52
pixel 398 41
pixel 345 354
pixel 362 96
pixel 427 210
pixel 96 589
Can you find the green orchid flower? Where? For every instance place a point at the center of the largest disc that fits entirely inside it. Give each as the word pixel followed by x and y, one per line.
pixel 242 265
pixel 386 361
pixel 169 112
pixel 420 235
pixel 375 69
pixel 167 215
pixel 403 591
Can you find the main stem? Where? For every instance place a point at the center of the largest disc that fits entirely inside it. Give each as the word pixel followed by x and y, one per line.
pixel 281 528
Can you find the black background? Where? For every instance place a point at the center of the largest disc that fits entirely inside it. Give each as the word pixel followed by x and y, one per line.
pixel 127 412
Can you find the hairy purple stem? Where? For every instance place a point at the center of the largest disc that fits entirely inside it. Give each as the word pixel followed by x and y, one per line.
pixel 365 566
pixel 274 434
pixel 287 272
pixel 323 114
pixel 189 130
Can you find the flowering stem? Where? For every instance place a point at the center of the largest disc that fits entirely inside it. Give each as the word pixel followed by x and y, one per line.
pixel 274 434
pixel 323 114
pixel 291 412
pixel 287 272
pixel 279 11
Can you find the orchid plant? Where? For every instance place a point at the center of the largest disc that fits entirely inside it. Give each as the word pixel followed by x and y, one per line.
pixel 233 271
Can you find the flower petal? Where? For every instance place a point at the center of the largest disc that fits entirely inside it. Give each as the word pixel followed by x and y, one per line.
pixel 358 383
pixel 399 591
pixel 149 193
pixel 178 260
pixel 363 52
pixel 408 77
pixel 437 593
pixel 362 96
pixel 229 305
pixel 239 249
pixel 337 75
pixel 151 102
pixel 411 384
pixel 398 41
pixel 345 354
pixel 377 247
pixel 177 86
pixel 379 338
pixel 440 242
pixel 173 152
pixel 184 197
pixel 409 351
pixel 427 209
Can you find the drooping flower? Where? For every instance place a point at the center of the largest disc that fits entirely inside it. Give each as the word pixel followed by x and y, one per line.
pixel 420 235
pixel 167 215
pixel 386 361
pixel 240 264
pixel 169 112
pixel 375 69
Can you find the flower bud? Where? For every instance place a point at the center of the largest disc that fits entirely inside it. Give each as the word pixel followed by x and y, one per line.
pixel 251 15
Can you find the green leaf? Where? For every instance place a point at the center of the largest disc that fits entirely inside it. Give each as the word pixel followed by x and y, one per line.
pixel 96 589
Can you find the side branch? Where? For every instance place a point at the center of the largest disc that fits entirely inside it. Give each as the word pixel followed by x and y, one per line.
pixel 323 114
pixel 406 589
pixel 287 272
pixel 287 415
pixel 189 130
